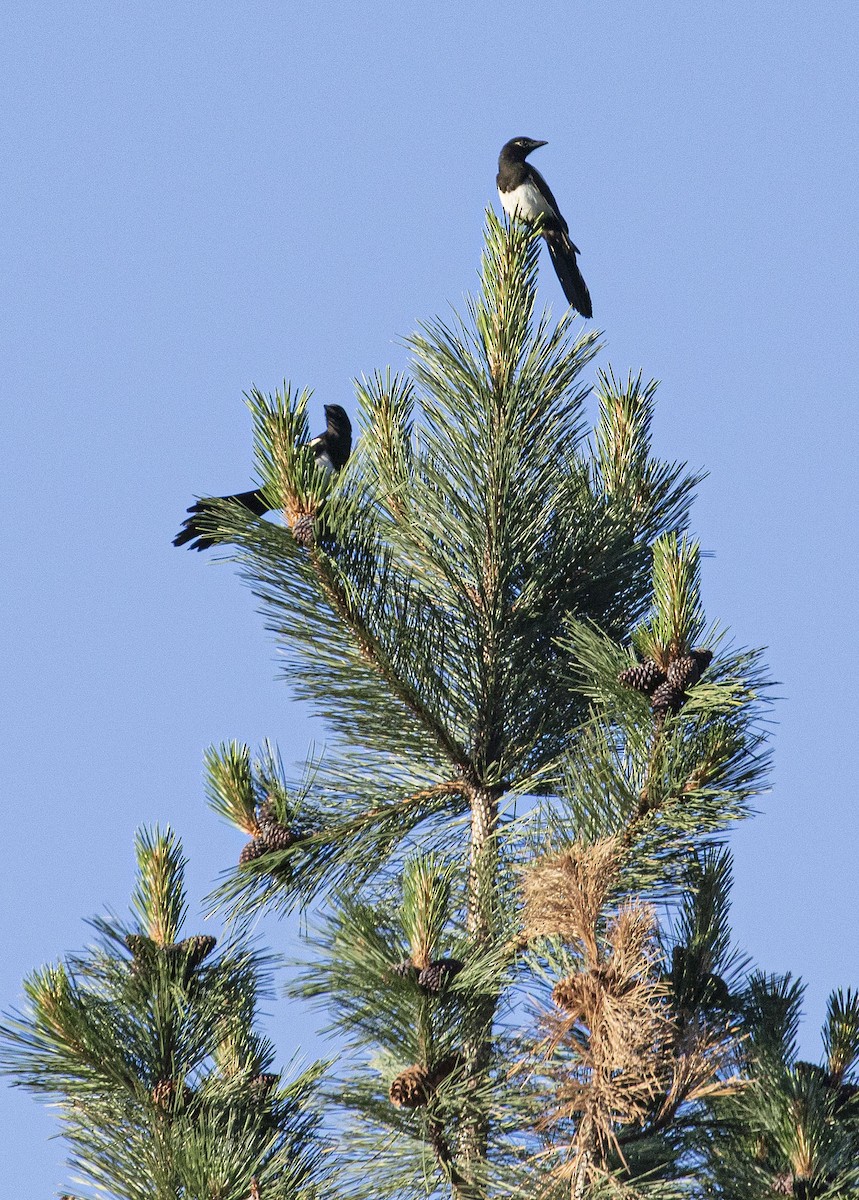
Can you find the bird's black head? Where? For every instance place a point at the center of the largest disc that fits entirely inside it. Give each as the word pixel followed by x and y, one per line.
pixel 518 149
pixel 338 422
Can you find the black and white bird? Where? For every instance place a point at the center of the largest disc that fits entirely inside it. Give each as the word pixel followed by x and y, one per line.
pixel 524 193
pixel 332 449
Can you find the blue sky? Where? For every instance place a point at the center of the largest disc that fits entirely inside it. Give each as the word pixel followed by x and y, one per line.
pixel 200 197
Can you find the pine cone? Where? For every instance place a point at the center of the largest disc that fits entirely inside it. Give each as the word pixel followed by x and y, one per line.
pixel 196 949
pixel 667 698
pixel 143 950
pixel 609 981
pixel 267 810
pixel 411 1089
pixel 715 993
pixel 782 1185
pixel 415 1086
pixel 405 969
pixel 141 947
pixel 164 1091
pixel 684 672
pixel 302 530
pixel 566 995
pixel 439 973
pixel 271 830
pixel 260 1086
pixel 276 836
pixel 703 658
pixel 643 677
pixel 253 849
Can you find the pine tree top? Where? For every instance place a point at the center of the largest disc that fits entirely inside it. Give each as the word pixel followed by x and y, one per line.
pixel 148 1041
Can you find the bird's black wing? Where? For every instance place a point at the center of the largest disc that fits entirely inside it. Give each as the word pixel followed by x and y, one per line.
pixel 194 527
pixel 547 192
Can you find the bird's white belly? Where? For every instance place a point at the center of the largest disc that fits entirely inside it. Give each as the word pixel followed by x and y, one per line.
pixel 525 201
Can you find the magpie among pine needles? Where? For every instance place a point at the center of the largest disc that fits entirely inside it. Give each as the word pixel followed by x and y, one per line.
pixel 524 193
pixel 332 449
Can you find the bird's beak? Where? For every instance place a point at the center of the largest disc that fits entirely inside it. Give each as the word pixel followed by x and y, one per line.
pixel 537 145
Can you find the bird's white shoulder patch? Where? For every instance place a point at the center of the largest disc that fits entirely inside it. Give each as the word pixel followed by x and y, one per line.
pixel 525 201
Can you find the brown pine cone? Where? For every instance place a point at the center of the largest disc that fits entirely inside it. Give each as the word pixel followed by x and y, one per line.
pixel 412 1088
pixel 439 973
pixel 253 849
pixel 140 946
pixel 196 948
pixel 716 993
pixel 260 1086
pixel 703 658
pixel 685 671
pixel 643 677
pixel 302 530
pixel 143 952
pixel 583 991
pixel 267 811
pixel 567 994
pixel 667 698
pixel 276 836
pixel 163 1094
pixel 271 829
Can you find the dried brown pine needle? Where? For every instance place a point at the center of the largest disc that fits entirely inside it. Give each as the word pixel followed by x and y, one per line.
pixel 565 893
pixel 614 1018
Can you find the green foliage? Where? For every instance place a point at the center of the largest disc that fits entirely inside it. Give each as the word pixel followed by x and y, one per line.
pixel 159 897
pixel 406 989
pixel 498 615
pixel 231 784
pixel 649 495
pixel 705 971
pixel 427 884
pixel 473 519
pixel 148 1046
pixel 678 619
pixel 794 1127
pixel 484 569
pixel 662 783
pixel 841 1034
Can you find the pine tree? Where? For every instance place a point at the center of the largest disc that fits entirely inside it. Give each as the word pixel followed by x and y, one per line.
pixel 147 1042
pixel 485 583
pixel 514 841
pixel 793 1128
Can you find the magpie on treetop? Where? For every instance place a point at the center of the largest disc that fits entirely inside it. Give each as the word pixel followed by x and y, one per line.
pixel 524 193
pixel 332 449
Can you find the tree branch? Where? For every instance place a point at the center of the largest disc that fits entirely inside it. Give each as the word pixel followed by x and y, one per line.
pixel 374 653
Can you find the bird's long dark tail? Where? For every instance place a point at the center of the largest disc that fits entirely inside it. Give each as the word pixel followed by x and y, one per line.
pixel 563 254
pixel 195 529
